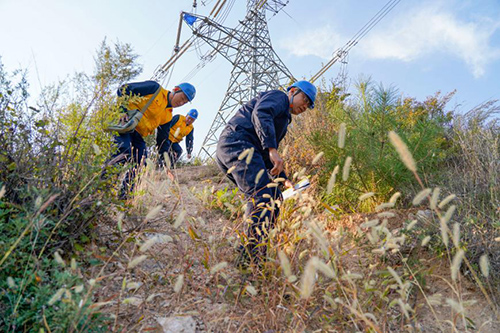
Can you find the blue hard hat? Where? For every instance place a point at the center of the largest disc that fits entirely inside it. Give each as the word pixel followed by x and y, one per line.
pixel 193 113
pixel 188 90
pixel 307 88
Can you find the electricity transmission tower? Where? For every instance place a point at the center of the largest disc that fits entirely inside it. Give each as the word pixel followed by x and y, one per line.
pixel 256 67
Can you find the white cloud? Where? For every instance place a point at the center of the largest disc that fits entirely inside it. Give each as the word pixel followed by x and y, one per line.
pixel 421 31
pixel 319 42
pixel 434 29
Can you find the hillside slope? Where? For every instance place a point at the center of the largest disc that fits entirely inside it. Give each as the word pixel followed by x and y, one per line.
pixel 187 276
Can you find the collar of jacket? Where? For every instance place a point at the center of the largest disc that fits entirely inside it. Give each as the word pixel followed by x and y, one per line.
pixel 169 99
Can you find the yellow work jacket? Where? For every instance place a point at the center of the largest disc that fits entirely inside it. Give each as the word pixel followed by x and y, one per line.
pixel 157 114
pixel 181 129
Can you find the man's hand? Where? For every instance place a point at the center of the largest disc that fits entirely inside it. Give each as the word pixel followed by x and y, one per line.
pixel 277 161
pixel 288 183
pixel 189 156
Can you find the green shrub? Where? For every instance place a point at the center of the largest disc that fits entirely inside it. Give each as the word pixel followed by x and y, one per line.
pixel 369 116
pixel 37 292
pixel 52 159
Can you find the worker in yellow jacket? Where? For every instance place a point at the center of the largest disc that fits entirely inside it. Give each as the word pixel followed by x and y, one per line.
pixel 155 105
pixel 169 135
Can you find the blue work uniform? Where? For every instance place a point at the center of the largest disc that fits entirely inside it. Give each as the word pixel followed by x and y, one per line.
pixel 167 142
pixel 260 124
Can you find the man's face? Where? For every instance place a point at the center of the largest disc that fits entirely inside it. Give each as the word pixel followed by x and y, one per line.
pixel 179 99
pixel 300 102
pixel 189 120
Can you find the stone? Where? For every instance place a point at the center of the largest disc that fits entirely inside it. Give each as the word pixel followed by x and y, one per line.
pixel 177 324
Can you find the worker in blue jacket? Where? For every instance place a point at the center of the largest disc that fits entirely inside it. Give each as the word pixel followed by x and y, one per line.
pixel 259 126
pixel 168 137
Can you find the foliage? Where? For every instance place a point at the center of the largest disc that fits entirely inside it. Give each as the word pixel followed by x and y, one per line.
pixel 52 167
pixel 370 272
pixel 30 281
pixel 472 173
pixel 460 152
pixel 369 116
pixel 228 201
pixel 116 65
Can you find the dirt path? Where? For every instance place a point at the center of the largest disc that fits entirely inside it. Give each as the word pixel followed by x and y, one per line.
pixel 204 239
pixel 199 249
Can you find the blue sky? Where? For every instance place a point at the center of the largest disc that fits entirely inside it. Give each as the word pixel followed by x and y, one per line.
pixel 420 47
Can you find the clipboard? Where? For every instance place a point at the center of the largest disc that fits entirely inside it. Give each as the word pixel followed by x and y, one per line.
pixel 299 187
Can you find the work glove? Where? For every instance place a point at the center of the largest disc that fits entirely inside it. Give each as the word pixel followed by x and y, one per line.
pixel 127 123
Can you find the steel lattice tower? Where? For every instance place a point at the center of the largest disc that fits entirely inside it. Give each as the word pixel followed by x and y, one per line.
pixel 256 67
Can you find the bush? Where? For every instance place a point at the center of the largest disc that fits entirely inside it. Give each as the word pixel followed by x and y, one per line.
pixel 472 173
pixel 37 292
pixel 52 159
pixel 368 117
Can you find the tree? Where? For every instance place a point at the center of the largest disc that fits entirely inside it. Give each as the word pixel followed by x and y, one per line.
pixel 116 64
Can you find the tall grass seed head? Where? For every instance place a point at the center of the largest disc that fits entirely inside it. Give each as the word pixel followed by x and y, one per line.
pixel 395 197
pixel 456 234
pixel 243 154
pixel 153 213
pixel 218 267
pixel 56 297
pixel 456 263
pixel 11 283
pixel 331 181
pixel 384 206
pixel 426 240
pixel 317 158
pixel 179 219
pixel 342 134
pixel 446 200
pixel 366 196
pixel 403 151
pixel 249 156
pixel 259 175
pixel 444 232
pixel 285 263
pixel 484 265
pixel 58 259
pixel 435 198
pixel 136 301
pixel 251 290
pixel 136 261
pixel 347 167
pixel 308 278
pixel 148 244
pixel 449 214
pixel 417 200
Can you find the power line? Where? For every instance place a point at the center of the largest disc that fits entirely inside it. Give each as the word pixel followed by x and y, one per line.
pixel 341 53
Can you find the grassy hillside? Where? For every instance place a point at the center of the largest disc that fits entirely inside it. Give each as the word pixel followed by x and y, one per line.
pixel 399 231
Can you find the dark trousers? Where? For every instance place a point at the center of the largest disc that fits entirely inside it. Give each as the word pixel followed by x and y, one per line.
pixel 133 148
pixel 164 145
pixel 263 217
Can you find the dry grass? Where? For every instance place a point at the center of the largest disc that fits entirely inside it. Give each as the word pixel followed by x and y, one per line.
pixel 363 272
